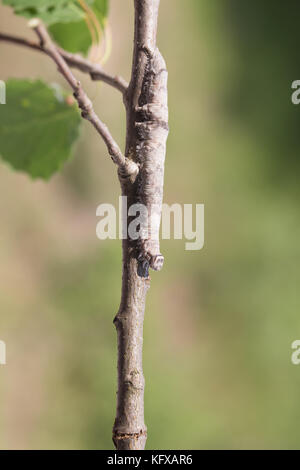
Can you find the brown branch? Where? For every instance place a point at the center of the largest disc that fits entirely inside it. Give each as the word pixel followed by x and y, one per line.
pixel 73 60
pixel 130 432
pixel 125 165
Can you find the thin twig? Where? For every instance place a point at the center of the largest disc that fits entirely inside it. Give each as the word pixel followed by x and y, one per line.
pixel 126 166
pixel 94 70
pixel 73 60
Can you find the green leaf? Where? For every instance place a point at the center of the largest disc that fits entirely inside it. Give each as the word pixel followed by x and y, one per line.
pixel 38 127
pixel 75 37
pixel 50 11
pixel 100 8
pixel 65 19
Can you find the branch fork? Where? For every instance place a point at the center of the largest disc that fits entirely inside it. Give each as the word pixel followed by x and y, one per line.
pixel 127 167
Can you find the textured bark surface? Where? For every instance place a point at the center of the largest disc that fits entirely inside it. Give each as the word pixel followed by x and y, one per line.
pixel 147 131
pixel 152 131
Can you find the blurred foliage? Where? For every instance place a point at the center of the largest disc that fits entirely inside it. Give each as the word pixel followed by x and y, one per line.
pixel 220 322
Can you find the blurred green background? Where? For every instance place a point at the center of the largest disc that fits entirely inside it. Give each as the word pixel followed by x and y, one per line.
pixel 219 322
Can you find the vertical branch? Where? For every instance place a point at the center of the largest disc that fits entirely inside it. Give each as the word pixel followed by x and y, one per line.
pixel 130 432
pixel 145 30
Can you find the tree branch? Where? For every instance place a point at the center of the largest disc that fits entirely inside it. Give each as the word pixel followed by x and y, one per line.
pixel 73 60
pixel 126 166
pixel 130 432
pixel 94 70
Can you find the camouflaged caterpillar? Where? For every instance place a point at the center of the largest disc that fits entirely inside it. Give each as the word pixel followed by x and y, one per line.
pixel 152 130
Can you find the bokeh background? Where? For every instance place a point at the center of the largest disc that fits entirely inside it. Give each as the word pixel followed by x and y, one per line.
pixel 219 322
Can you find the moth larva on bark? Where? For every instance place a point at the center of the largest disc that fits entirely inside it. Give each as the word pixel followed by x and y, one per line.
pixel 152 129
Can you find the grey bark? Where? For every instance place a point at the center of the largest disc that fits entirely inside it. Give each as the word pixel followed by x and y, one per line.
pixel 147 130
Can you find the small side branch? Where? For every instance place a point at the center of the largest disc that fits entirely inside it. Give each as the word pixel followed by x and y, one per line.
pixel 73 60
pixel 127 168
pixel 94 70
